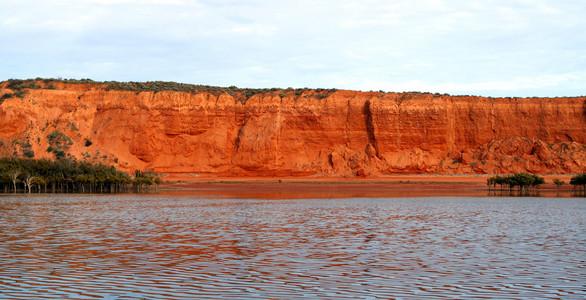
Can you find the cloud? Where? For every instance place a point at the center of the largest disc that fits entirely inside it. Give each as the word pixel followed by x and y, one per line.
pixel 422 44
pixel 118 2
pixel 499 87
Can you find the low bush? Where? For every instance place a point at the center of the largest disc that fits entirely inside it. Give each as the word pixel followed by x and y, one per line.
pixel 28 153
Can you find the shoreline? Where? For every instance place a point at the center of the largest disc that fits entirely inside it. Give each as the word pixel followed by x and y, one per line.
pixel 335 187
pixel 473 181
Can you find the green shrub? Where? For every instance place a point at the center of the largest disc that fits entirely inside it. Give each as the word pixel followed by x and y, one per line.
pixel 59 154
pixel 19 84
pixel 20 94
pixel 58 142
pixel 15 84
pixel 28 153
pixel 250 93
pixel 6 96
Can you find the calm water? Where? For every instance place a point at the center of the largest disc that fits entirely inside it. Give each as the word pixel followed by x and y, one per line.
pixel 191 246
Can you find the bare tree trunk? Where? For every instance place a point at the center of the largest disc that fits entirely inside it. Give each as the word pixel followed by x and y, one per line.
pixel 28 182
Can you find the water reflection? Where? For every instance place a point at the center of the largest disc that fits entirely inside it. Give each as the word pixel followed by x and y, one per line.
pixel 359 190
pixel 185 246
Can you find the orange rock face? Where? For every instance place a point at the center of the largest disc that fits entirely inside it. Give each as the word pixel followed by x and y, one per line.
pixel 288 133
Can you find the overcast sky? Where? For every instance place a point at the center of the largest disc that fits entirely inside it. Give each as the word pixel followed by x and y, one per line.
pixel 476 47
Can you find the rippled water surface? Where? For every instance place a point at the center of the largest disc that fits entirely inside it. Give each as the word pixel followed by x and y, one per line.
pixel 182 246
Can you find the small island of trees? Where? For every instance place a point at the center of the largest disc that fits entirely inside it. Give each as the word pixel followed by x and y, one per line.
pixel 67 175
pixel 526 182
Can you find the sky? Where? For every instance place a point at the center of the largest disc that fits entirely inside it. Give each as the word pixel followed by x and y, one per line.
pixel 499 48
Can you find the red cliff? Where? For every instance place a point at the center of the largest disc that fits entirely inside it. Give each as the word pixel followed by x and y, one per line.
pixel 297 132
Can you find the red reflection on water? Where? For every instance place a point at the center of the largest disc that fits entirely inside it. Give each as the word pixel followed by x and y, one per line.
pixel 282 191
pixel 325 191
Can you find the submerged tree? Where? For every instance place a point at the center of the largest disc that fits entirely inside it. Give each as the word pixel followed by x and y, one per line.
pixel 66 175
pixel 579 181
pixel 558 183
pixel 13 175
pixel 523 181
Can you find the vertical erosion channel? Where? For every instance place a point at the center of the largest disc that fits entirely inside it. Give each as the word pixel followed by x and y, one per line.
pixel 368 119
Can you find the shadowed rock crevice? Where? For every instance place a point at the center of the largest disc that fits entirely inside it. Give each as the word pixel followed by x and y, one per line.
pixel 369 122
pixel 237 141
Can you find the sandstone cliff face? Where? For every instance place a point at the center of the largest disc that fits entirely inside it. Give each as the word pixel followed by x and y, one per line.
pixel 288 133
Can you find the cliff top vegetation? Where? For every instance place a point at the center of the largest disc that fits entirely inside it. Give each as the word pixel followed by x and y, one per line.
pixel 21 85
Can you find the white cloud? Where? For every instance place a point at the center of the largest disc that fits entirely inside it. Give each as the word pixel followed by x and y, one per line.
pixel 162 2
pixel 493 87
pixel 435 45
